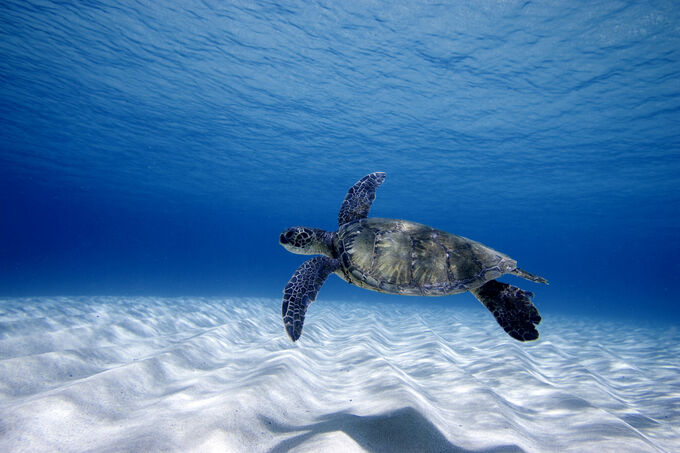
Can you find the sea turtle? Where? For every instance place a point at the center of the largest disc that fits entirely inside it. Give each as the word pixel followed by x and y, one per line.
pixel 402 257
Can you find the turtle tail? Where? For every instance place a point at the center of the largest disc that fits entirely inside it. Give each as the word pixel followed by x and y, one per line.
pixel 529 276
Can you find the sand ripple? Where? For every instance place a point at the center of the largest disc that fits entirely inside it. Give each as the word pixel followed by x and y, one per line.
pixel 145 374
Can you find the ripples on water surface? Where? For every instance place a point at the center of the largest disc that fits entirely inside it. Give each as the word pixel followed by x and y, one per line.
pixel 176 141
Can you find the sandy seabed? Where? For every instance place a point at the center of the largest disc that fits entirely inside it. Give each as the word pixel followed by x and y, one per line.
pixel 192 374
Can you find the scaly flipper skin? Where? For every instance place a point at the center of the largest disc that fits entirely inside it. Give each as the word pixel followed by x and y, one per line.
pixel 301 291
pixel 512 308
pixel 359 198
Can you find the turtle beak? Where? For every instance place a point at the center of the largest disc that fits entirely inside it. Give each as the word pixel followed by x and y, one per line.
pixel 283 240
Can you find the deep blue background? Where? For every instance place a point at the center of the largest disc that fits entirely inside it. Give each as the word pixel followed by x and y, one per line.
pixel 160 149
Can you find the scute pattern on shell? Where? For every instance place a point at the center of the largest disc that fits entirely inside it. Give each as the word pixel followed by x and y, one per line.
pixel 402 257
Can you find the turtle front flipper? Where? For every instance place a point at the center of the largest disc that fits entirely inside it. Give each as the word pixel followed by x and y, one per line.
pixel 359 198
pixel 301 291
pixel 512 308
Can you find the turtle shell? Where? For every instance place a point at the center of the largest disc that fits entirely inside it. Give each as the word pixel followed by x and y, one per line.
pixel 402 257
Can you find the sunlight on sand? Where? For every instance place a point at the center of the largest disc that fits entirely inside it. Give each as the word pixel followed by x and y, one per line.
pixel 145 374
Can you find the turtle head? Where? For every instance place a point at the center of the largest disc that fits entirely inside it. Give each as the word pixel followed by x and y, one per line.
pixel 307 241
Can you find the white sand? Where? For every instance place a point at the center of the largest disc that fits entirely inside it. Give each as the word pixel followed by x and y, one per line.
pixel 110 374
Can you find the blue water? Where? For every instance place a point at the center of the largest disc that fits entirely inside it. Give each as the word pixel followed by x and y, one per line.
pixel 159 149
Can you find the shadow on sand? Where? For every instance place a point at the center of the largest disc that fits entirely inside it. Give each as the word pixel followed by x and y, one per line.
pixel 404 430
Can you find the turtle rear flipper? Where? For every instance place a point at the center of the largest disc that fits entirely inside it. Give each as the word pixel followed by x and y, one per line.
pixel 301 291
pixel 512 308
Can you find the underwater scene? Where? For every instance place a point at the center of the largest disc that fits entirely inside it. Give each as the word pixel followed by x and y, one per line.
pixel 352 226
